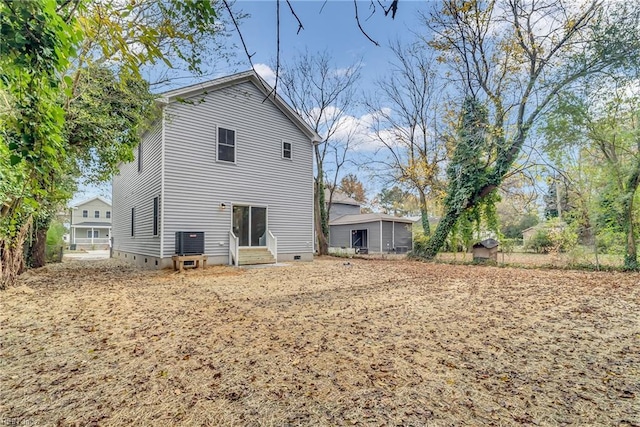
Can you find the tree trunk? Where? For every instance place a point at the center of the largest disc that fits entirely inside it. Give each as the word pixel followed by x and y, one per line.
pixel 321 220
pixel 631 253
pixel 37 249
pixel 12 256
pixel 446 224
pixel 426 228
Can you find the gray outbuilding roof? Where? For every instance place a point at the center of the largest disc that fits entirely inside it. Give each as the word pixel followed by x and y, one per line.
pixel 371 217
pixel 340 198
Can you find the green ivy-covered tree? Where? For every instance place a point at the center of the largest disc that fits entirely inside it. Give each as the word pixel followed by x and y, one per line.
pixel 38 38
pixel 465 176
pixel 73 101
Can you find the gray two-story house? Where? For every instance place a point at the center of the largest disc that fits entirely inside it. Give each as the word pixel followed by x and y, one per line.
pixel 367 232
pixel 227 158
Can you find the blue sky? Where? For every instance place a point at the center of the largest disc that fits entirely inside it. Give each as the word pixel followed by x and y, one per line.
pixel 329 26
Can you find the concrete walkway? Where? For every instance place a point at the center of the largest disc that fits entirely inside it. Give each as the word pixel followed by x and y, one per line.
pixel 86 256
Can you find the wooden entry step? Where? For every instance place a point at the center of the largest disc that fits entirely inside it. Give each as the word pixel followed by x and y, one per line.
pixel 251 256
pixel 200 261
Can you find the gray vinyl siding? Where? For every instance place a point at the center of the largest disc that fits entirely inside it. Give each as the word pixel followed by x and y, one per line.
pixel 340 209
pixel 403 235
pixel 133 189
pixel 340 235
pixel 387 236
pixel 196 184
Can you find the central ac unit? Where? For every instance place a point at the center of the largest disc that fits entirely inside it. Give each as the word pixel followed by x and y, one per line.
pixel 189 242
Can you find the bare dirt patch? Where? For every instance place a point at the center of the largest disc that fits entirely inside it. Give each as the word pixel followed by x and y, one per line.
pixel 333 342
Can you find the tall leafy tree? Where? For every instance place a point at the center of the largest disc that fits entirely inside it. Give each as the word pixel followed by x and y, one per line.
pixel 352 187
pixel 62 60
pixel 396 201
pixel 37 39
pixel 610 132
pixel 512 58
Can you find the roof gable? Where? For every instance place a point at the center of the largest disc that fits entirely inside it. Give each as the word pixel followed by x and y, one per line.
pixel 339 198
pixel 234 79
pixel 84 202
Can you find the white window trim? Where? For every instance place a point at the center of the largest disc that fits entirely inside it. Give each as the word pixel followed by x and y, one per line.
pixel 290 150
pixel 235 146
pixel 249 205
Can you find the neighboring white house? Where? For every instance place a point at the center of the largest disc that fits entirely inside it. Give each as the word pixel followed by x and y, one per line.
pixel 90 224
pixel 227 158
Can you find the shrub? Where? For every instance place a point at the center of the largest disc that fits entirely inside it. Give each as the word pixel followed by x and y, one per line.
pixel 420 241
pixel 611 242
pixel 554 236
pixel 55 233
pixel 540 242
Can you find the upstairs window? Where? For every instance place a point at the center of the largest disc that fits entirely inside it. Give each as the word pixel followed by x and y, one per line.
pixel 226 145
pixel 96 214
pixel 85 214
pixel 286 150
pixel 108 214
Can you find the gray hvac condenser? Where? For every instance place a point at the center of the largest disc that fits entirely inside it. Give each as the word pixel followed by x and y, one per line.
pixel 189 242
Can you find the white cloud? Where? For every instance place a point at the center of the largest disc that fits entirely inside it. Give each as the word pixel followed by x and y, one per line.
pixel 266 73
pixel 358 130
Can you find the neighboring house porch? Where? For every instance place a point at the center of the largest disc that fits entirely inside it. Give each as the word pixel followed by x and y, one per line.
pixel 90 234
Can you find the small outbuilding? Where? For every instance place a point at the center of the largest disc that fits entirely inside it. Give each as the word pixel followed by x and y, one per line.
pixel 372 233
pixel 486 250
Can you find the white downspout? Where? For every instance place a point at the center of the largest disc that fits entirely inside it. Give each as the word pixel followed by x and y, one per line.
pixel 393 234
pixel 381 249
pixel 162 165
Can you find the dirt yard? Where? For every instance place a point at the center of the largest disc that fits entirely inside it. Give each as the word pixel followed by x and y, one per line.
pixel 333 342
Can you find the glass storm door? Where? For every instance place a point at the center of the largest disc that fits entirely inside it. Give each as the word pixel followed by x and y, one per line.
pixel 250 225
